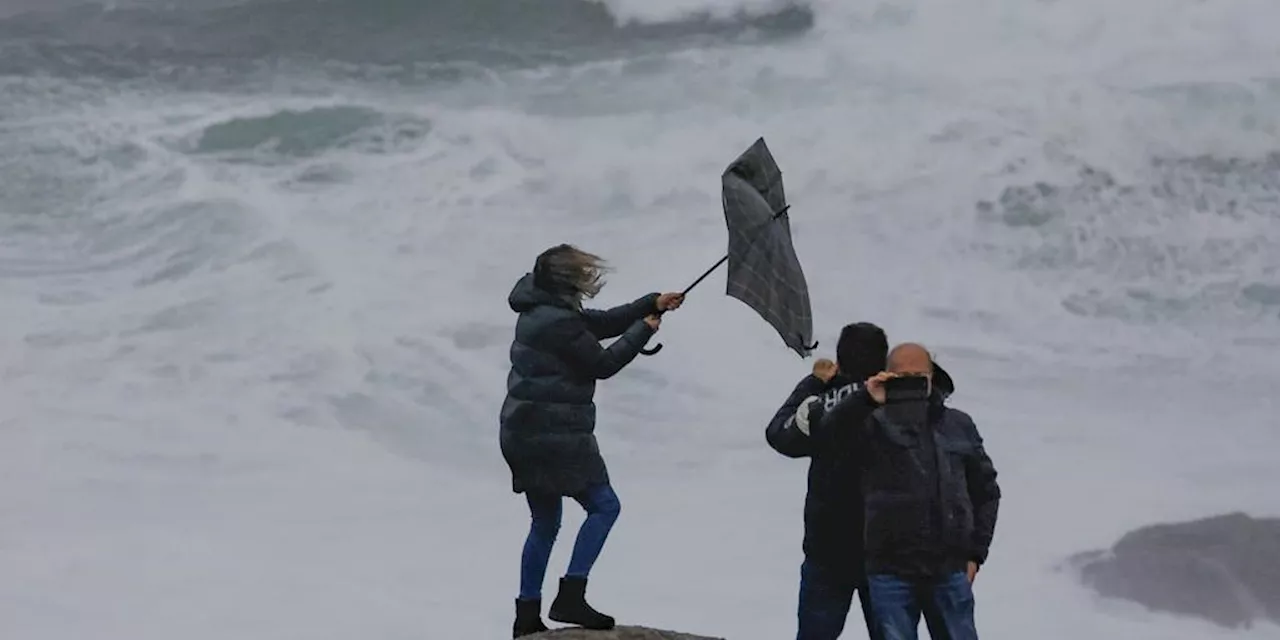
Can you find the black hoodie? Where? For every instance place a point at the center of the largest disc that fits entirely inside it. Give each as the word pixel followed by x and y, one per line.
pixel 833 503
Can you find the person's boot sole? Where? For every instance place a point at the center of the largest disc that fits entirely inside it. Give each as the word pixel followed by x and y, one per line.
pixel 598 625
pixel 601 626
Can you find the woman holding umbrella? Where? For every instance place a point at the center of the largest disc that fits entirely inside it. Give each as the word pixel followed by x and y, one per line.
pixel 547 424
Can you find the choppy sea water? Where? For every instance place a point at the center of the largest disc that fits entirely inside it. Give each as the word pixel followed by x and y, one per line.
pixel 254 258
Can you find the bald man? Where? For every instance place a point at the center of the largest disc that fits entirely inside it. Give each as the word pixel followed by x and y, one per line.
pixel 930 496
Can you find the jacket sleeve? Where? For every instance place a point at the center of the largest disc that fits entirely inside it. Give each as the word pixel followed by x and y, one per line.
pixel 784 434
pixel 574 342
pixel 850 414
pixel 984 494
pixel 613 322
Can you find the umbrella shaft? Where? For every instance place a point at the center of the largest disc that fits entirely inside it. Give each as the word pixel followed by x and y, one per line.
pixel 705 274
pixel 723 260
pixel 715 266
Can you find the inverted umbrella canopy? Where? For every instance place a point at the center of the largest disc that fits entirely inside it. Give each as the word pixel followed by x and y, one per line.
pixel 764 272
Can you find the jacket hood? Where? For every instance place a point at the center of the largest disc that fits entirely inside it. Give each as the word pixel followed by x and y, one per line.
pixel 943 385
pixel 526 295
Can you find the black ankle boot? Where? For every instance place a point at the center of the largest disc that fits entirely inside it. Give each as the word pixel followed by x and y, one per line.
pixel 528 618
pixel 570 606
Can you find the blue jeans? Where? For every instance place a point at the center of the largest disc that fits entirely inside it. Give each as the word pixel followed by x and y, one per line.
pixel 602 507
pixel 825 599
pixel 947 605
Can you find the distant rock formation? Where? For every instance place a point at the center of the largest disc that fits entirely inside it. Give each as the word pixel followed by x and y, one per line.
pixel 1225 569
pixel 617 633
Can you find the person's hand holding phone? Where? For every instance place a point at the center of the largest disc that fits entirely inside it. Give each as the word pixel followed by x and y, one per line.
pixel 875 385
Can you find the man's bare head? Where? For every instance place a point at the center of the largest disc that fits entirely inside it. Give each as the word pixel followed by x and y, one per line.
pixel 910 358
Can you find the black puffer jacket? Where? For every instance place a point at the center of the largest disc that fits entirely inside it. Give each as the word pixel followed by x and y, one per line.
pixel 930 489
pixel 547 424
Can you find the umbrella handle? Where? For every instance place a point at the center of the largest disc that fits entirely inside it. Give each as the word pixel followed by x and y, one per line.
pixel 656 349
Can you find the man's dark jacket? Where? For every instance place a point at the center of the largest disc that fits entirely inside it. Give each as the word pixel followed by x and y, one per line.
pixel 833 503
pixel 930 489
pixel 548 419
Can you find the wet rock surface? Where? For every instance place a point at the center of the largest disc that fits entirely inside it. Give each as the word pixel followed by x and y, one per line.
pixel 1225 569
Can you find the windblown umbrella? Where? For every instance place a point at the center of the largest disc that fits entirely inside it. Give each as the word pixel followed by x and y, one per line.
pixel 764 272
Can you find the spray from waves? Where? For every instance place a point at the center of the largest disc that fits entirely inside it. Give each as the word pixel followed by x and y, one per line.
pixel 146 38
pixel 1180 243
pixel 308 132
pixel 202 228
pixel 1180 239
pixel 102 214
pixel 308 154
pixel 673 11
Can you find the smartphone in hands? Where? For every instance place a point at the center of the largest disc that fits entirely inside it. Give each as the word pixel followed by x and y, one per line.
pixel 906 389
pixel 907 399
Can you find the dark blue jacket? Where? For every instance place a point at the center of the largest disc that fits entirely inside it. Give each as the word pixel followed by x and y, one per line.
pixel 548 419
pixel 930 490
pixel 833 502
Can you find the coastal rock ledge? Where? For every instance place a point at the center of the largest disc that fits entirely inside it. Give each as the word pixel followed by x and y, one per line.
pixel 1225 569
pixel 617 633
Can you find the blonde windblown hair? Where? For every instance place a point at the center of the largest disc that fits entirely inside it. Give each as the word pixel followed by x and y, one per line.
pixel 569 271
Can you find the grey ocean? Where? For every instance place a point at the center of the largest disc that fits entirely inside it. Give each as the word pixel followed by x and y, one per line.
pixel 254 260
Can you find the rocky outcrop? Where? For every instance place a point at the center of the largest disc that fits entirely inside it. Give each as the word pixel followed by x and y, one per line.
pixel 1225 569
pixel 617 633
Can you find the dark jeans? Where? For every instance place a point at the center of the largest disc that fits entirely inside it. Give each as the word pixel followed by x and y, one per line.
pixel 825 598
pixel 602 507
pixel 947 605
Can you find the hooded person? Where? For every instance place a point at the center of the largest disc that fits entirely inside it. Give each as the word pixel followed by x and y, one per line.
pixel 833 568
pixel 547 422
